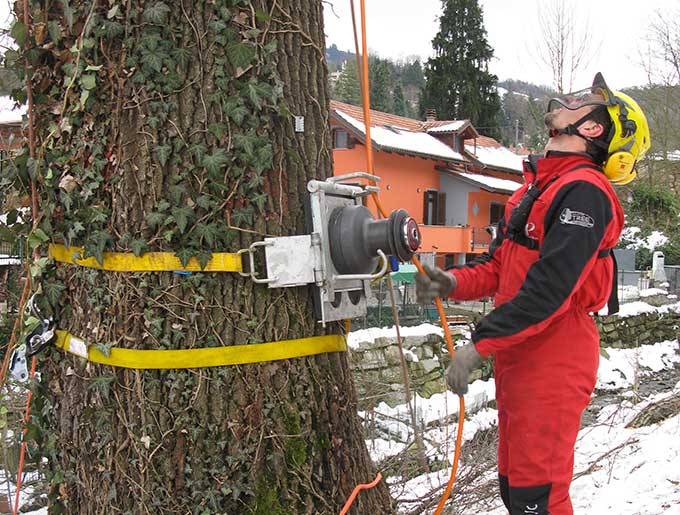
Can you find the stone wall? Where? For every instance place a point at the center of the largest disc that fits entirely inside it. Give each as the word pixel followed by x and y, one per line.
pixel 643 329
pixel 377 366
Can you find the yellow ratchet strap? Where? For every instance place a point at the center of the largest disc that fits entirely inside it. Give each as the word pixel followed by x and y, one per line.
pixel 202 357
pixel 149 262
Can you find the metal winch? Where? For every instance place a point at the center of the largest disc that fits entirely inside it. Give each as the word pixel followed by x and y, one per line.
pixel 343 250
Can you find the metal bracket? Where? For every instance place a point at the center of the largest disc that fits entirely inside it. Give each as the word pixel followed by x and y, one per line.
pixel 336 212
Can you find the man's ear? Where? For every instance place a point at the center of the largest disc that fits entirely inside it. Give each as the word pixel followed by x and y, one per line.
pixel 591 129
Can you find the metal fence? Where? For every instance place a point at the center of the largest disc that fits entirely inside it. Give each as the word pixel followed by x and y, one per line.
pixel 379 314
pixel 14 249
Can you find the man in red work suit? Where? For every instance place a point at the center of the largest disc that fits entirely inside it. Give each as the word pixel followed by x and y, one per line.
pixel 549 268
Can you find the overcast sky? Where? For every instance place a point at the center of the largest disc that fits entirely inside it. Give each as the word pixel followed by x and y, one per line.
pixel 400 28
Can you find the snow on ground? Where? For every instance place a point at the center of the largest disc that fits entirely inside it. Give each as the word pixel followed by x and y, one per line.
pixel 628 471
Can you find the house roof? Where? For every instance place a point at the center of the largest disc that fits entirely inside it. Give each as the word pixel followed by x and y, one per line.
pixel 485 182
pixel 413 137
pixel 491 153
pixel 378 118
pixel 9 113
pixel 395 139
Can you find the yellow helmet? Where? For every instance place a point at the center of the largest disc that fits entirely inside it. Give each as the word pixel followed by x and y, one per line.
pixel 629 138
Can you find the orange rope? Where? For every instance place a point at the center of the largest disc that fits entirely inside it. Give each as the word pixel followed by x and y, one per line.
pixel 36 252
pixel 22 454
pixel 366 103
pixel 357 489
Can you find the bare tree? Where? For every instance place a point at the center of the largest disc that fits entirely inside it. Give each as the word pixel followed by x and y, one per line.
pixel 662 62
pixel 566 43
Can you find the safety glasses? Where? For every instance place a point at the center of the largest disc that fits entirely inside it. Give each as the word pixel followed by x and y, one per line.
pixel 592 96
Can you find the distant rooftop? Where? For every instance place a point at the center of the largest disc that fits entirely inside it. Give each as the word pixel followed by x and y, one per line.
pixel 9 111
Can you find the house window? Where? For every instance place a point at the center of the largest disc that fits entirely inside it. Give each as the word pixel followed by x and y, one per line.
pixel 434 208
pixel 340 139
pixel 496 212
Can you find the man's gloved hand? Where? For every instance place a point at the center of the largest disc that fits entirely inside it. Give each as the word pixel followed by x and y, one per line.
pixel 465 360
pixel 434 283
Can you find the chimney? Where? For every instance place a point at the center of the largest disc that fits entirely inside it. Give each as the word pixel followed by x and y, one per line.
pixel 430 115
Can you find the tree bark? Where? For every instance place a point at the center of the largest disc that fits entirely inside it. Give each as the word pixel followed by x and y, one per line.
pixel 168 127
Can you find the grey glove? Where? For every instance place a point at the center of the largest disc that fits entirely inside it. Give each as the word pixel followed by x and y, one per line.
pixel 465 360
pixel 434 283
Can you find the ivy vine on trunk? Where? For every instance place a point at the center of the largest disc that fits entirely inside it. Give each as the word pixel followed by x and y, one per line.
pixel 169 127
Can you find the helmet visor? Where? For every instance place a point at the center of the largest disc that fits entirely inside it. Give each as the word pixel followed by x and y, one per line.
pixel 593 96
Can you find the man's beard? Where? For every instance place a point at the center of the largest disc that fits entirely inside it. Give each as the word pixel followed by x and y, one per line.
pixel 549 119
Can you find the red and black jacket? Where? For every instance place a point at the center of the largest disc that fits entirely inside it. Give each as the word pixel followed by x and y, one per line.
pixel 560 260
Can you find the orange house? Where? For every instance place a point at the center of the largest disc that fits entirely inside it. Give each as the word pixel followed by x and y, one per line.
pixel 450 179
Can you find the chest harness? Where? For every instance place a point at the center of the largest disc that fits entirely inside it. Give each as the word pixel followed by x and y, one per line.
pixel 515 230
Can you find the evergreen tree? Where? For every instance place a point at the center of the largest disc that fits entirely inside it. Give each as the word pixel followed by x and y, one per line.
pixel 348 89
pixel 399 106
pixel 380 84
pixel 458 82
pixel 412 73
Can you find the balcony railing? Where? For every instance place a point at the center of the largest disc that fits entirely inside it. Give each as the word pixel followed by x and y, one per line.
pixel 481 238
pixel 446 239
pixel 12 251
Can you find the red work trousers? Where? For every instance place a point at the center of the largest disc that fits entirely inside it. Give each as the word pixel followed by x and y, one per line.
pixel 542 387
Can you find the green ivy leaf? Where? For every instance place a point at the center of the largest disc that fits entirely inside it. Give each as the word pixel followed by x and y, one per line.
pixel 203 257
pixel 181 56
pixel 53 292
pixel 157 13
pixel 18 33
pixel 152 59
pixel 235 110
pixel 204 202
pixel 264 158
pixel 88 81
pixel 154 219
pixel 68 14
pixel 177 191
pixel 245 143
pixel 214 162
pixel 102 384
pixel 37 238
pixel 113 12
pixel 162 153
pixel 138 247
pixel 257 92
pixel 96 244
pixel 182 216
pixel 54 29
pixel 260 200
pixel 207 232
pixel 243 216
pixel 217 130
pixel 241 54
pixel 184 255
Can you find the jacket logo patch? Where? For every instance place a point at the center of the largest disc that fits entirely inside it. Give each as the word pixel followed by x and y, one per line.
pixel 570 217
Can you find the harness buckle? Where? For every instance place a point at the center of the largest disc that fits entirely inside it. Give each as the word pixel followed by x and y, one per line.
pixel 42 335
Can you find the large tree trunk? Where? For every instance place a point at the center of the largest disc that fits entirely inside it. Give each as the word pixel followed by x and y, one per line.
pixel 183 141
